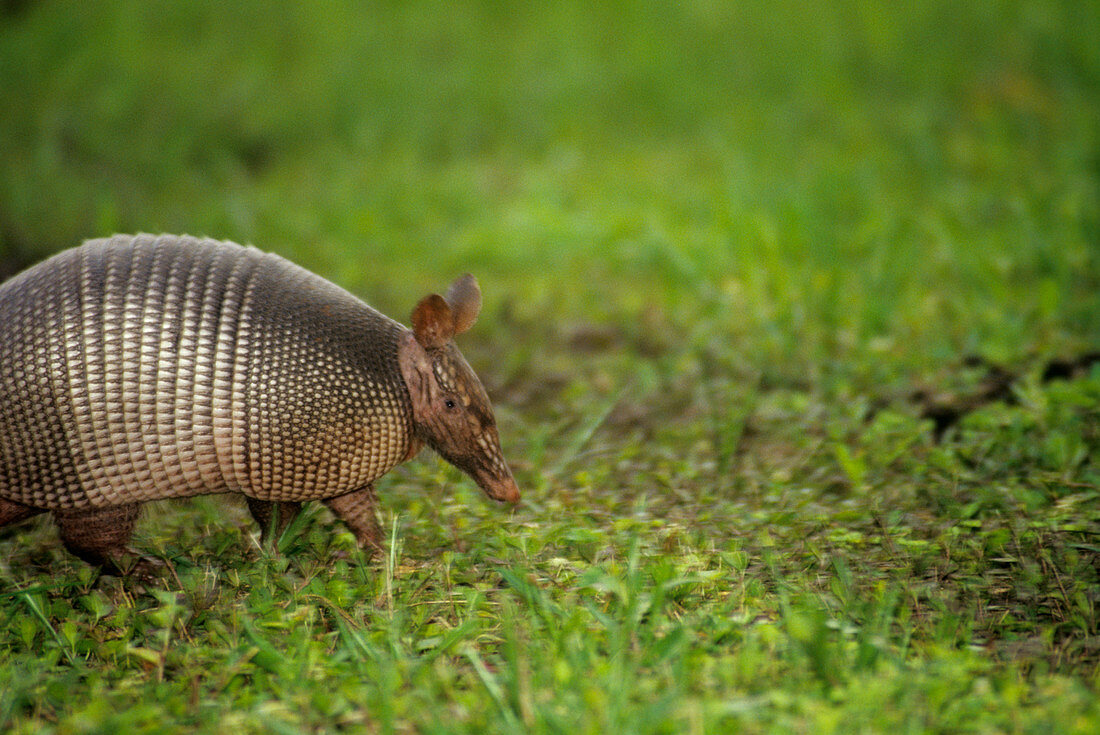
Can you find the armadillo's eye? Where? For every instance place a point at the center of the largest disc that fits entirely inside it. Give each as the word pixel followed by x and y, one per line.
pixel 449 403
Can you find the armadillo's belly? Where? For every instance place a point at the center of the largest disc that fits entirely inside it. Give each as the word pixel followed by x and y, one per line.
pixel 144 368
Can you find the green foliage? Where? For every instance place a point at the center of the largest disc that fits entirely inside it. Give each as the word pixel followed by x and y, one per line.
pixel 724 247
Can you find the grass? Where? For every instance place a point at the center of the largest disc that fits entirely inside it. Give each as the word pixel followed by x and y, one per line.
pixel 736 260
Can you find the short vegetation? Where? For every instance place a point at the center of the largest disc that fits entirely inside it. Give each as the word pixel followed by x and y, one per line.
pixel 791 321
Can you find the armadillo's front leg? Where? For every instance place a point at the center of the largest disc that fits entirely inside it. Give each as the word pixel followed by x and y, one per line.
pixel 356 509
pixel 99 536
pixel 265 510
pixel 14 512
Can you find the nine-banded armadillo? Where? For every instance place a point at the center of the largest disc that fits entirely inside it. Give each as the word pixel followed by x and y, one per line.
pixel 137 368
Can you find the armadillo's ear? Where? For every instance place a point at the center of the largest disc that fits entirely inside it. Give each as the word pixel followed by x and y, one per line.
pixel 464 297
pixel 433 322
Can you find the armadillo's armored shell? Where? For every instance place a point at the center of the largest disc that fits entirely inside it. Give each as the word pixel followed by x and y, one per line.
pixel 140 368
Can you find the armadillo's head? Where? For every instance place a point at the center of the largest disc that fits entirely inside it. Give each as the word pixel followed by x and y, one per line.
pixel 451 411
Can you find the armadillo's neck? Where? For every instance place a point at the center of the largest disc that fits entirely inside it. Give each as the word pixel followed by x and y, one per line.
pixel 415 445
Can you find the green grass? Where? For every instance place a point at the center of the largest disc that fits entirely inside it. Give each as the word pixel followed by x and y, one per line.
pixel 722 246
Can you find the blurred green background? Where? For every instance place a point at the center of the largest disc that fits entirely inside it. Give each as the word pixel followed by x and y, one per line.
pixel 821 178
pixel 735 257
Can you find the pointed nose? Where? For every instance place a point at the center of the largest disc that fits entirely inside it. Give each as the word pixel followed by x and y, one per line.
pixel 503 489
pixel 509 492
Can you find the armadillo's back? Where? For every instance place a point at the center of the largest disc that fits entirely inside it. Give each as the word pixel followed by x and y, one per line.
pixel 139 368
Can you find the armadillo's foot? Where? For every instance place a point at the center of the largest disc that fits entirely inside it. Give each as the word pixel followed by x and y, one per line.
pixel 356 509
pixel 145 569
pixel 132 565
pixel 99 535
pixel 273 517
pixel 11 512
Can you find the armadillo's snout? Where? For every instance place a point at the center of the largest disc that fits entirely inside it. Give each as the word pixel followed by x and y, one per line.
pixel 489 469
pixel 508 492
pixel 496 481
pixel 502 488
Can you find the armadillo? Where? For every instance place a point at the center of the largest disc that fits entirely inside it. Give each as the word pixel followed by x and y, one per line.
pixel 136 368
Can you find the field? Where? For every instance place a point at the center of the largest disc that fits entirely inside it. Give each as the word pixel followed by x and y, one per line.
pixel 792 327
